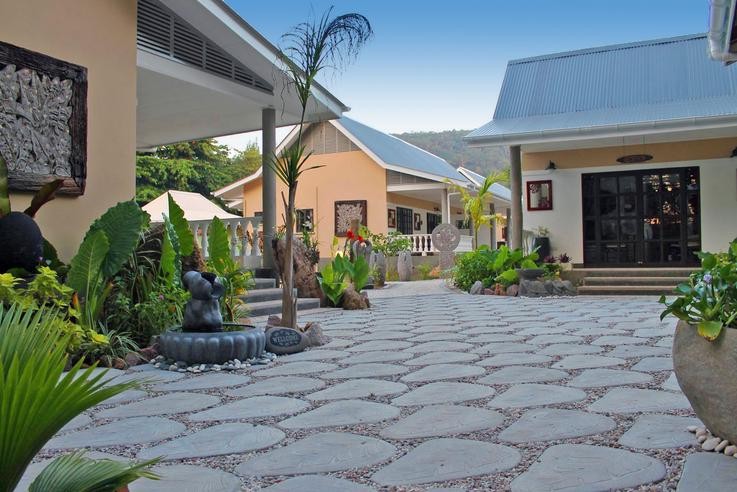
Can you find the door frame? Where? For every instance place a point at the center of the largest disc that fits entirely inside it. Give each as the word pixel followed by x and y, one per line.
pixel 401 211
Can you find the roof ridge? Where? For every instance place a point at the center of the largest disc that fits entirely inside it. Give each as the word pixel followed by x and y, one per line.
pixel 605 48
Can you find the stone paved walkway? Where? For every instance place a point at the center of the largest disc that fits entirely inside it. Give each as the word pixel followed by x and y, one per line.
pixel 421 392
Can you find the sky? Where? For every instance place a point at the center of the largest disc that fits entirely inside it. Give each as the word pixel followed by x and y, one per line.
pixel 438 65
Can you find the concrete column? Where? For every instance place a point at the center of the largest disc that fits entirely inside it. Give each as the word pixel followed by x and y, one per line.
pixel 445 206
pixel 508 215
pixel 268 188
pixel 492 226
pixel 515 182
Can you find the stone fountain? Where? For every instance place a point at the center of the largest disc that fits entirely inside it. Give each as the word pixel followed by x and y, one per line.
pixel 201 339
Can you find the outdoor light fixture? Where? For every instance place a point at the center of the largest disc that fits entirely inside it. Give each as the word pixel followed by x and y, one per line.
pixel 634 158
pixel 551 166
pixel 734 152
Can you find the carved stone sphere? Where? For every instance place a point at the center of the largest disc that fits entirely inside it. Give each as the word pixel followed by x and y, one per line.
pixel 21 242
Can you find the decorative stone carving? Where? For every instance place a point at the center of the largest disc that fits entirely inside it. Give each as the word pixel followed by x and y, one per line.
pixel 404 266
pixel 348 211
pixel 202 312
pixel 377 262
pixel 445 238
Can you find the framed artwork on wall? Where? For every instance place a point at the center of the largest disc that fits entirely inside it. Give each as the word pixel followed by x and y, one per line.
pixel 391 220
pixel 418 222
pixel 305 221
pixel 43 120
pixel 346 211
pixel 540 195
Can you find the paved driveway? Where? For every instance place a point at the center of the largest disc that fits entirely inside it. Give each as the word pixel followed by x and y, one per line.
pixel 445 390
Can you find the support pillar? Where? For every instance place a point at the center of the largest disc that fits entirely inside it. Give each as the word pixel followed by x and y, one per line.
pixel 268 188
pixel 514 228
pixel 492 226
pixel 445 207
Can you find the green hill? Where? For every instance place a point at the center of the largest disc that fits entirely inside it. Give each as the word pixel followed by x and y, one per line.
pixel 450 146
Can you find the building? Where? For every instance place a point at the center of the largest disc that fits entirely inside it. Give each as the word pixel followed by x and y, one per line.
pixel 389 184
pixel 194 205
pixel 626 153
pixel 157 72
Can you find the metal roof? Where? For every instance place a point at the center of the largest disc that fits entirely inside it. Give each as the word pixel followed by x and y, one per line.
pixel 664 81
pixel 394 151
pixel 498 190
pixel 194 205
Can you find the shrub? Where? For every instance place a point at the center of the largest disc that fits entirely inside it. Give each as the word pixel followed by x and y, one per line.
pixel 473 266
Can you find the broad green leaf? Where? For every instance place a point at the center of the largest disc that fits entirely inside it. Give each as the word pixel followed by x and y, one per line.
pixel 710 329
pixel 123 224
pixel 184 233
pixel 43 196
pixel 85 272
pixel 4 190
pixel 218 246
pixel 708 261
pixel 360 273
pixel 170 263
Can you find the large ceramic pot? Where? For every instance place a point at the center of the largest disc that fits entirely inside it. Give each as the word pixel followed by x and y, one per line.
pixel 705 372
pixel 543 246
pixel 213 348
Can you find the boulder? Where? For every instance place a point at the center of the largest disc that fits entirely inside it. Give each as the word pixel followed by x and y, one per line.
pixel 133 359
pixel 314 334
pixel 513 290
pixel 563 288
pixel 377 262
pixel 305 278
pixel 282 340
pixel 477 288
pixel 150 353
pixel 532 288
pixel 353 300
pixel 404 266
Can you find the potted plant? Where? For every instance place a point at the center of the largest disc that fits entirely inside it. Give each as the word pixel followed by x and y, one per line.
pixel 705 342
pixel 541 243
pixel 565 262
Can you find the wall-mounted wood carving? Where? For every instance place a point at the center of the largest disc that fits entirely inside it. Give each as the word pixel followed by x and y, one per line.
pixel 347 211
pixel 43 120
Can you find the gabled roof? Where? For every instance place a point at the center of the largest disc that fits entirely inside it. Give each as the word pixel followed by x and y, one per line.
pixel 195 206
pixel 497 190
pixel 649 86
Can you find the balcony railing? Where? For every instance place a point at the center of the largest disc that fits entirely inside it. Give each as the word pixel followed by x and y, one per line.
pixel 422 244
pixel 246 239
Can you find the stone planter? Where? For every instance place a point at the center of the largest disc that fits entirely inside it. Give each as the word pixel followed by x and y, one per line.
pixel 705 373
pixel 566 267
pixel 543 246
pixel 213 348
pixel 529 273
pixel 404 266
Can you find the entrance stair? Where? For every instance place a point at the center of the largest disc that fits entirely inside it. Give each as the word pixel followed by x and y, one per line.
pixel 265 297
pixel 630 281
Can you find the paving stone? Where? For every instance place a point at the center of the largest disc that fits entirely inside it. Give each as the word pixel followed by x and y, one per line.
pixel 449 346
pixel 148 377
pixel 257 406
pixel 629 351
pixel 279 385
pixel 549 424
pixel 505 347
pixel 343 412
pixel 338 343
pixel 597 331
pixel 446 358
pixel 434 337
pixel 445 459
pixel 707 472
pixel 188 478
pixel 315 354
pixel 441 328
pixel 366 371
pixel 443 392
pixel 654 364
pixel 381 356
pixel 523 374
pixel 665 342
pixel 215 441
pixel 359 388
pixel 81 420
pixel 654 332
pixel 530 395
pixel 479 330
pixel 318 453
pixel 514 359
pixel 124 397
pixel 295 368
pixel 671 384
pixel 618 340
pixel 660 431
pixel 599 378
pixel 170 403
pixel 495 337
pixel 542 330
pixel 570 349
pixel 632 400
pixel 206 381
pixel 380 345
pixel 384 335
pixel 135 430
pixel 34 469
pixel 317 483
pixel 439 372
pixel 587 361
pixel 548 339
pixel 443 420
pixel 584 468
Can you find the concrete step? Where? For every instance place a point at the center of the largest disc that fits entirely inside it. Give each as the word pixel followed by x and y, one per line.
pixel 621 290
pixel 265 308
pixel 634 272
pixel 263 283
pixel 260 295
pixel 664 281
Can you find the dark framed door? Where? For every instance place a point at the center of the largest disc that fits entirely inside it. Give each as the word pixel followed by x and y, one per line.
pixel 404 220
pixel 641 218
pixel 433 220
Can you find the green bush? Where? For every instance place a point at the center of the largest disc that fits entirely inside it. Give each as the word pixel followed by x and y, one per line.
pixel 491 267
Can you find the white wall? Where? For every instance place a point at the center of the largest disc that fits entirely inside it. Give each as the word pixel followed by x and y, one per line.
pixel 718 203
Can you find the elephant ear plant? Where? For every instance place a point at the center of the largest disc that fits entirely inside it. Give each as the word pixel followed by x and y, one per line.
pixel 709 299
pixel 310 48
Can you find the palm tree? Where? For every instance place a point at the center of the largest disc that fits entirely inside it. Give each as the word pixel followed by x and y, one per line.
pixel 311 47
pixel 475 202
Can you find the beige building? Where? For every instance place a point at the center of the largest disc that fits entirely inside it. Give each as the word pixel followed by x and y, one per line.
pixel 387 183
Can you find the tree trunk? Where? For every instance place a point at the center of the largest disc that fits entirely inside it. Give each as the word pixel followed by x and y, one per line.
pixel 289 316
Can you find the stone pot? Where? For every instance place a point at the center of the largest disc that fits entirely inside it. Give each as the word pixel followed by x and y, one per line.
pixel 530 273
pixel 705 373
pixel 213 348
pixel 543 246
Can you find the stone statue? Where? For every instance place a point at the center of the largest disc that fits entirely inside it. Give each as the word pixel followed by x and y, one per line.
pixel 404 266
pixel 445 239
pixel 202 312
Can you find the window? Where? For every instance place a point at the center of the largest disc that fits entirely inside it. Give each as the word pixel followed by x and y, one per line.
pixel 305 220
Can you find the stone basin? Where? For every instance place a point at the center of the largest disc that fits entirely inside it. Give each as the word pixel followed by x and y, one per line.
pixel 213 347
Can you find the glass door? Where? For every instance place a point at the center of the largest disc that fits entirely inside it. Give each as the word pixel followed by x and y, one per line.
pixel 404 220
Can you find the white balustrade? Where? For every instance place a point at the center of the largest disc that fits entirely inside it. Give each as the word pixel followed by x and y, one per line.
pixel 422 244
pixel 244 234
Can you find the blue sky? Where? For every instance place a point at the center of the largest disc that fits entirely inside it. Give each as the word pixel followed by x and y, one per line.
pixel 438 65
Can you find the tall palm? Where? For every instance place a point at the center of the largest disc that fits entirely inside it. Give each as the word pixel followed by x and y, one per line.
pixel 475 202
pixel 311 47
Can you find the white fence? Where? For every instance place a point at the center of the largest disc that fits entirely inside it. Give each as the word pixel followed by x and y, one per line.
pixel 422 244
pixel 246 243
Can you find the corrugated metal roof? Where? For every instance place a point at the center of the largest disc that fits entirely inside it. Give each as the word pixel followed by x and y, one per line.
pixel 396 152
pixel 649 81
pixel 498 190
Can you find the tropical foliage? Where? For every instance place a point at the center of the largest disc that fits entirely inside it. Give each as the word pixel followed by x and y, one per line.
pixel 709 298
pixel 235 279
pixel 491 266
pixel 389 244
pixel 476 202
pixel 343 270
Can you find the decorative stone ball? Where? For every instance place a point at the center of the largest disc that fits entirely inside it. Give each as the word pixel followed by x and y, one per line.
pixel 21 242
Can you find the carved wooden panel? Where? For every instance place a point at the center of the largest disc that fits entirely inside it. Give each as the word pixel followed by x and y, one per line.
pixel 346 211
pixel 43 120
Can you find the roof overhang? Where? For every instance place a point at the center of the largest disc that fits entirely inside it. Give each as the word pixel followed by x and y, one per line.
pixel 722 30
pixel 234 191
pixel 178 101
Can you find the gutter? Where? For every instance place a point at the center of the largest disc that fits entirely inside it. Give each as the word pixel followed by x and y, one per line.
pixel 721 23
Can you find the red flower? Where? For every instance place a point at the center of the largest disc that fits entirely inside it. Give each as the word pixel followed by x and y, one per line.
pixel 349 234
pixel 360 239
